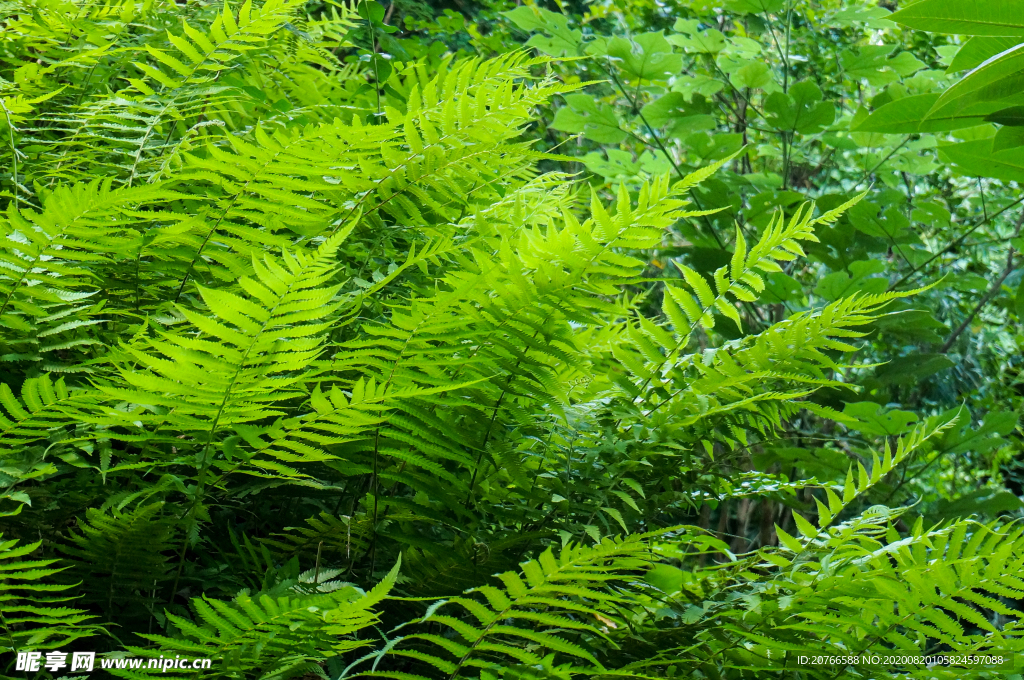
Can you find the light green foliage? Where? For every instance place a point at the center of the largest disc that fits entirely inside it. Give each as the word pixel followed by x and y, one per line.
pixel 325 355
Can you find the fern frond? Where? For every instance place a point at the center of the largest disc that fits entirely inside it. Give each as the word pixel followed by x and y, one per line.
pixel 125 555
pixel 31 613
pixel 272 636
pixel 572 590
pixel 254 351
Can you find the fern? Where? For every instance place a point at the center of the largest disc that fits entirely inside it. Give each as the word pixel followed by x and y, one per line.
pixel 32 614
pixel 36 416
pixel 572 591
pixel 271 637
pixel 125 555
pixel 46 259
pixel 198 57
pixel 274 316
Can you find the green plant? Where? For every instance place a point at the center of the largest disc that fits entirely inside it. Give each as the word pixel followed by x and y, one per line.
pixel 309 350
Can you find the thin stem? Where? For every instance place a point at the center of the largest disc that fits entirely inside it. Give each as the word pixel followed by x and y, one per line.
pixel 14 151
pixel 882 162
pixel 991 293
pixel 954 243
pixel 661 146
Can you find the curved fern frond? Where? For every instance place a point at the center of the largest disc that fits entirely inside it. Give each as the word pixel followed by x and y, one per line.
pixel 254 351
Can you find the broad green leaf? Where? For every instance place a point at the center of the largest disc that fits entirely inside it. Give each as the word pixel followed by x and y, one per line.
pixel 978 50
pixel 977 159
pixel 868 63
pixel 801 110
pixel 648 56
pixel 693 39
pixel 997 79
pixel 965 17
pixel 985 502
pixel 781 287
pixel 872 17
pixel 1008 138
pixel 905 64
pixel 979 438
pixel 755 74
pixel 618 166
pixel 598 122
pixel 906 116
pixel 890 225
pixel 910 369
pixel 666 578
pixel 557 38
pixel 1012 116
pixel 871 419
pixel 674 110
pixel 860 280
pixel 711 147
pixel 754 6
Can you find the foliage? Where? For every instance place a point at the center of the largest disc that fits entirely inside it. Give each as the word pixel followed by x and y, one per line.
pixel 323 357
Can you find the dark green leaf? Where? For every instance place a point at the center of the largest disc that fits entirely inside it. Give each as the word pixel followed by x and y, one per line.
pixel 1013 116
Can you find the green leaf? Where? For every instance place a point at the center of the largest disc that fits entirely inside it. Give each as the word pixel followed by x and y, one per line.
pixel 754 75
pixel 978 50
pixel 892 226
pixel 805 527
pixel 841 284
pixel 801 110
pixel 869 63
pixel 582 114
pixel 978 159
pixel 788 541
pixel 618 166
pixel 557 38
pixel 1012 116
pixel 871 419
pixel 979 439
pixel 696 40
pixel 754 6
pixel 965 17
pixel 997 79
pixel 984 502
pixel 1008 138
pixel 912 368
pixel 673 110
pixel 872 17
pixel 666 578
pixel 849 487
pixel 906 116
pixel 905 64
pixel 648 56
